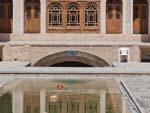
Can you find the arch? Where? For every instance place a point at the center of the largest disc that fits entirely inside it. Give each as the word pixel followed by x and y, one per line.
pixel 6 16
pixel 32 16
pixel 140 17
pixel 54 14
pixel 72 56
pixel 73 14
pixel 91 14
pixel 114 16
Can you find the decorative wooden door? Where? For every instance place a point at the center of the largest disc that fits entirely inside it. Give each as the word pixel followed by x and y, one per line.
pixel 6 16
pixel 140 19
pixel 114 17
pixel 32 16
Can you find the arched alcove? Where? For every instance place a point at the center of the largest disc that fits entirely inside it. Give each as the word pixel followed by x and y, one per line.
pixel 71 59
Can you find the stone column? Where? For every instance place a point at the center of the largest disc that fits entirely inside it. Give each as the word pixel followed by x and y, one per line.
pixel 125 5
pixel 149 17
pixel 102 101
pixel 43 17
pixel 129 16
pixel 103 16
pixel 17 101
pixel 18 16
pixel 42 101
pixel 123 105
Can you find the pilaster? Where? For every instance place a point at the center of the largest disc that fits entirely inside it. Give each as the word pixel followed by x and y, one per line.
pixel 128 10
pixel 103 16
pixel 42 101
pixel 18 16
pixel 102 101
pixel 18 97
pixel 43 17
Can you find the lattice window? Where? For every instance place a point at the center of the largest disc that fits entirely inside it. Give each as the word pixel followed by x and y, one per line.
pixel 73 15
pixel 55 14
pixel 91 15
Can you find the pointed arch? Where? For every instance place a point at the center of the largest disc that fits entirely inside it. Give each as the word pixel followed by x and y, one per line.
pixel 72 56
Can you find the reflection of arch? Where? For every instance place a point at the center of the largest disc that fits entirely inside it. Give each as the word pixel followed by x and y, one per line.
pixel 140 16
pixel 6 16
pixel 114 16
pixel 72 56
pixel 32 16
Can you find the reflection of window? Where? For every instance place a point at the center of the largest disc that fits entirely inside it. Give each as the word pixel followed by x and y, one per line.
pixel 91 16
pixel 2 10
pixel 32 9
pixel 73 16
pixel 136 10
pixel 91 106
pixel 55 14
pixel 144 12
pixel 55 107
pixel 28 12
pixel 110 14
pixel 73 105
pixel 31 103
pixel 36 12
pixel 10 14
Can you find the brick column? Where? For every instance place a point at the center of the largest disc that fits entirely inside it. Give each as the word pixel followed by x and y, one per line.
pixel 18 16
pixel 17 101
pixel 43 17
pixel 42 101
pixel 102 101
pixel 103 16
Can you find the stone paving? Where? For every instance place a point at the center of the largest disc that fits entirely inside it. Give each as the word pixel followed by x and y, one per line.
pixel 140 89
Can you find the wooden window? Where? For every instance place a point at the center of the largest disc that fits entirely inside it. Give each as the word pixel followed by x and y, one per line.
pixel 91 16
pixel 140 19
pixel 6 14
pixel 2 11
pixel 73 15
pixel 55 14
pixel 32 16
pixel 114 16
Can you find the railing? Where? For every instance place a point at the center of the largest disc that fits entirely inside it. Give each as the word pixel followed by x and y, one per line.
pixel 131 100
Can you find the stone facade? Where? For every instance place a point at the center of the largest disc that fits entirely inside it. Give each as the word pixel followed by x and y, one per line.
pixel 32 47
